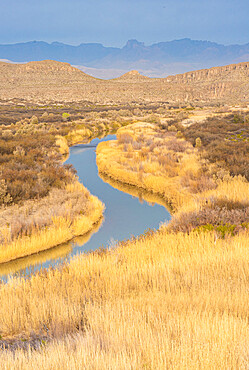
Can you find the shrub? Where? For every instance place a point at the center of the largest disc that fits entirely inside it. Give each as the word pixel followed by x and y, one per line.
pixel 179 134
pixel 223 142
pixel 5 197
pixel 198 142
pixel 218 212
pixel 153 119
pixel 34 120
pixel 172 128
pixel 45 115
pixel 7 134
pixel 124 137
pixel 65 116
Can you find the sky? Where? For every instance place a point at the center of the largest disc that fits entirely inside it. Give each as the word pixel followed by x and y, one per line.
pixel 113 22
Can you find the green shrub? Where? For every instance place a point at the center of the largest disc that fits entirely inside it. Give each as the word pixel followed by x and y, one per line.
pixel 65 116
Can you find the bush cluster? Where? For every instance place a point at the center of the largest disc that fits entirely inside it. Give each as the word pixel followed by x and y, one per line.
pixel 221 215
pixel 30 166
pixel 224 141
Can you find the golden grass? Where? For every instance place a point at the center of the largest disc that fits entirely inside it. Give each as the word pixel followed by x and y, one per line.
pixel 60 251
pixel 235 189
pixel 62 230
pixel 141 168
pixel 76 136
pixel 61 142
pixel 165 301
pixel 143 195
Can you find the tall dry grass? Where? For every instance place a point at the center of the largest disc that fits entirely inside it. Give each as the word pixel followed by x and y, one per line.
pixel 165 301
pixel 37 226
pixel 61 142
pixel 61 251
pixel 152 159
pixel 148 158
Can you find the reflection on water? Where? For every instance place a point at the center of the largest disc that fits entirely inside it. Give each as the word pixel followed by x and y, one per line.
pixel 139 193
pixel 129 212
pixel 26 266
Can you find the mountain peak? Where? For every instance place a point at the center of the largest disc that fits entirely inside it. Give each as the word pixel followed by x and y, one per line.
pixel 131 44
pixel 133 73
pixel 132 76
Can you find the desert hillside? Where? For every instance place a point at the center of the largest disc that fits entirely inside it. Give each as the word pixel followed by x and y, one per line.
pixel 55 81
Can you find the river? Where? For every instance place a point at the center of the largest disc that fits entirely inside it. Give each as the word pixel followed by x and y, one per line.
pixel 129 212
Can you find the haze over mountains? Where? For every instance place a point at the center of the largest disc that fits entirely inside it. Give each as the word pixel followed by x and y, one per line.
pixel 157 60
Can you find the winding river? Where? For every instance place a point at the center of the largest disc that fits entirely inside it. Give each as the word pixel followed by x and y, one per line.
pixel 129 212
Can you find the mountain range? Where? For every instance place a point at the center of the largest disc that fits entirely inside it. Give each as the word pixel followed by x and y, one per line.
pixel 156 60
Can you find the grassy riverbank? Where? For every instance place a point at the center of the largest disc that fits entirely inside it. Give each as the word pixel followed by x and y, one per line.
pixel 172 299
pixel 41 202
pixel 56 219
pixel 165 301
pixel 201 195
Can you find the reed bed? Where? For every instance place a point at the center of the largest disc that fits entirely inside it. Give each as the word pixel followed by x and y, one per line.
pixel 162 301
pixel 36 227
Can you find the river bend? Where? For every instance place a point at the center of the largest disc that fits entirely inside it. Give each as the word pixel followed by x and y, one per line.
pixel 129 212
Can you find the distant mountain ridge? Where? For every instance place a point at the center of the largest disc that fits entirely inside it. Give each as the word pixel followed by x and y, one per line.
pixel 156 60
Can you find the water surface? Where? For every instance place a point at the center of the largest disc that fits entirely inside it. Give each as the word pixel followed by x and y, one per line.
pixel 129 212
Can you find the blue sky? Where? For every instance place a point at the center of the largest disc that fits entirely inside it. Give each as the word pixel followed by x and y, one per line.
pixel 113 22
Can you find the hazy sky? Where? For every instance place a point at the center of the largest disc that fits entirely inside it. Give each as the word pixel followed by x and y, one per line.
pixel 113 22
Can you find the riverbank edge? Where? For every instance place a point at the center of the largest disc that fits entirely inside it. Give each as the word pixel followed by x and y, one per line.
pixel 181 204
pixel 64 229
pixel 113 175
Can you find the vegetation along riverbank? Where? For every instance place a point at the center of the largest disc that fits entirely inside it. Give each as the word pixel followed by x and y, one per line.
pixel 173 298
pixel 200 170
pixel 42 203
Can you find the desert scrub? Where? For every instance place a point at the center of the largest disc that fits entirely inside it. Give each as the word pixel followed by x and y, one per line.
pixel 157 160
pixel 149 158
pixel 55 219
pixel 224 141
pixel 227 204
pixel 30 165
pixel 222 220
